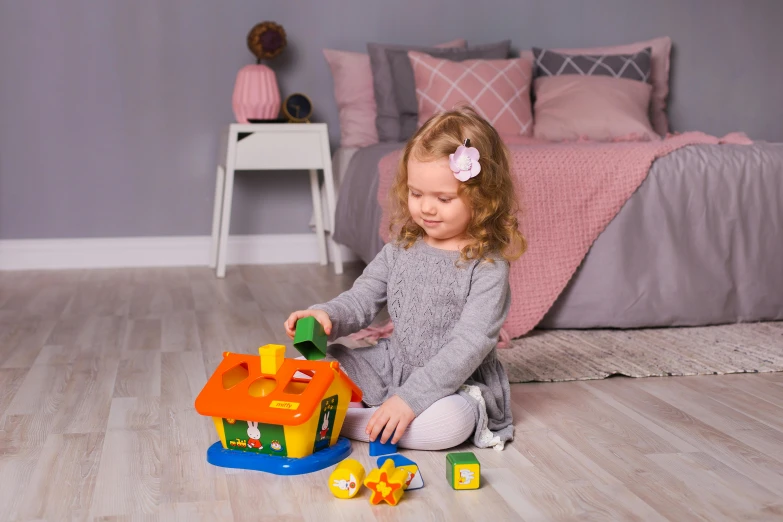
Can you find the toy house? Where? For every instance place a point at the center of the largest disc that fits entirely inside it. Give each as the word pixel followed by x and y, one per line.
pixel 260 406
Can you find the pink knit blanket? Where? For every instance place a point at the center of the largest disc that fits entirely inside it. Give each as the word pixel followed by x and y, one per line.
pixel 569 192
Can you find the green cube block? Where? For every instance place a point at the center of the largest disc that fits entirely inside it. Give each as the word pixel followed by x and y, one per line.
pixel 463 470
pixel 310 339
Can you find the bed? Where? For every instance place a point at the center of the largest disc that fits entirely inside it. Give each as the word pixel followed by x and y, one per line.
pixel 700 242
pixel 695 239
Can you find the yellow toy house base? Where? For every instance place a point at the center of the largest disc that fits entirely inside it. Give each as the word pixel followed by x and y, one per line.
pixel 270 420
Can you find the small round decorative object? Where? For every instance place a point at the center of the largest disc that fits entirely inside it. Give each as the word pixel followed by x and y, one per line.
pixel 266 40
pixel 297 108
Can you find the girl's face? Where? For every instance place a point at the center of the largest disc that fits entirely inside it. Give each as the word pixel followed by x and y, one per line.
pixel 434 204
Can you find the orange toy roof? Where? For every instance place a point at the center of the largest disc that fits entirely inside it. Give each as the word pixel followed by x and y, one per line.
pixel 233 400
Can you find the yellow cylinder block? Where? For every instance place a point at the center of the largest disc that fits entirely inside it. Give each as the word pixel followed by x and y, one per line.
pixel 346 480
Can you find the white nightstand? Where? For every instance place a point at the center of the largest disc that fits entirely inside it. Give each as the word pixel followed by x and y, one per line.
pixel 273 146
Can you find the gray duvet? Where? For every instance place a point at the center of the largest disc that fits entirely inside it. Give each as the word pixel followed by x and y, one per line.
pixel 700 242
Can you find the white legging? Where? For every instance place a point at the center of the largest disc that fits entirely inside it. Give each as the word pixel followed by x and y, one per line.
pixel 445 424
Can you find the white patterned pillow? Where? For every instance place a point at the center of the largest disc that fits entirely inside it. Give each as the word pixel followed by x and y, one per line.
pixel 499 90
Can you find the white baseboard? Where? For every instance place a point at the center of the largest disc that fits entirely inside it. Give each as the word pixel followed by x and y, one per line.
pixel 50 254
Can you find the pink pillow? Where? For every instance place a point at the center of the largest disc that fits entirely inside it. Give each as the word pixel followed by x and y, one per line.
pixel 354 96
pixel 353 92
pixel 599 108
pixel 659 75
pixel 499 90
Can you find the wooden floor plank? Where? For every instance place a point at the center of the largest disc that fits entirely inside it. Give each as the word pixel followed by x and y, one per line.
pixel 774 377
pixel 21 341
pixel 64 477
pixel 42 390
pixel 158 292
pixel 179 332
pixel 702 406
pixel 11 380
pixel 730 493
pixel 134 413
pixel 625 462
pixel 186 475
pixel 99 371
pixel 128 480
pixel 101 294
pixel 22 432
pixel 197 512
pixel 562 464
pixel 144 334
pixel 760 389
pixel 641 420
pixel 591 418
pixel 756 465
pixel 281 499
pixel 138 374
pixel 87 398
pixel 16 470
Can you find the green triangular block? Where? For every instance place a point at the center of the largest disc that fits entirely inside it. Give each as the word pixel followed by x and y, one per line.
pixel 310 338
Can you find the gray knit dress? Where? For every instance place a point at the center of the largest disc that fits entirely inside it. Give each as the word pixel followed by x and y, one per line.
pixel 447 315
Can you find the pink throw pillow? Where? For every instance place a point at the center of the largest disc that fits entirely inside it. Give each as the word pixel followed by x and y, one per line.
pixel 499 90
pixel 353 92
pixel 659 75
pixel 599 108
pixel 354 96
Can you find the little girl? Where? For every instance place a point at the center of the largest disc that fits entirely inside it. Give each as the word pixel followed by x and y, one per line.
pixel 444 278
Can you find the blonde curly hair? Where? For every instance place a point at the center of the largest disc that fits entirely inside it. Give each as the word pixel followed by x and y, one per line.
pixel 493 226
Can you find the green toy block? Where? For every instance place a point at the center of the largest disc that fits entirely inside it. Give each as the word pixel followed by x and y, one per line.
pixel 463 470
pixel 310 339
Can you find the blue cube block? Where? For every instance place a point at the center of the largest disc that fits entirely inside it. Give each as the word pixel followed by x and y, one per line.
pixel 378 448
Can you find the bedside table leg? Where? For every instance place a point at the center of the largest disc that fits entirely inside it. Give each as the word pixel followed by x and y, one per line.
pixel 331 202
pixel 318 212
pixel 216 213
pixel 224 222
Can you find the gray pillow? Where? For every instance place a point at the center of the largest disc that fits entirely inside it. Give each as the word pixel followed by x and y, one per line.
pixel 404 84
pixel 387 120
pixel 636 66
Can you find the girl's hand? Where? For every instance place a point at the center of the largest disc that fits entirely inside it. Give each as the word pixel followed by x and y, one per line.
pixel 320 316
pixel 393 417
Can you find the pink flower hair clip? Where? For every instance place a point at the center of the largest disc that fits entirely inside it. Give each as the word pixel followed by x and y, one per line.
pixel 464 163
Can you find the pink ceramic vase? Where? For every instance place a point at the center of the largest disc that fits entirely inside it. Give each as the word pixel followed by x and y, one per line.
pixel 256 95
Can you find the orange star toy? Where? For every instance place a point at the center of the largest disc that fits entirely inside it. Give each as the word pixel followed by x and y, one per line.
pixel 386 483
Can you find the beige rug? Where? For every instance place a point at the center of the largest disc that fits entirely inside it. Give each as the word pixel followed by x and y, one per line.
pixel 568 355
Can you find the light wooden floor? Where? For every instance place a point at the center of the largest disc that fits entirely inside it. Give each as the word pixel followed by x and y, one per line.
pixel 99 371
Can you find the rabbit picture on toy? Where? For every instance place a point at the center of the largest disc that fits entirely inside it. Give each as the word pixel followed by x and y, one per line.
pixel 465 476
pixel 325 425
pixel 253 435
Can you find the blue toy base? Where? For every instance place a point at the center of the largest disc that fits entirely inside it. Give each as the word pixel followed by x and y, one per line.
pixel 225 458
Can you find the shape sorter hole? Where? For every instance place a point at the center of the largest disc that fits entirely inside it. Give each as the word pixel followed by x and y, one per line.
pixel 262 387
pixel 235 375
pixel 295 387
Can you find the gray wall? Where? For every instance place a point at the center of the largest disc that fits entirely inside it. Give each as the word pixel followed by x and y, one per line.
pixel 110 110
